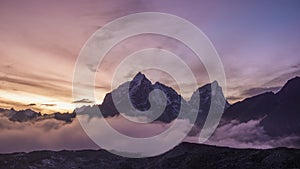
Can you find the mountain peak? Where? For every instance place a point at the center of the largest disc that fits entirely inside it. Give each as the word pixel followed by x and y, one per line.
pixel 293 80
pixel 139 90
pixel 139 79
pixel 139 76
pixel 290 89
pixel 215 83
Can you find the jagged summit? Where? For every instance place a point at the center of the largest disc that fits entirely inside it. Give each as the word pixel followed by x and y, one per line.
pixel 294 78
pixel 215 83
pixel 292 82
pixel 32 116
pixel 291 89
pixel 139 75
pixel 139 90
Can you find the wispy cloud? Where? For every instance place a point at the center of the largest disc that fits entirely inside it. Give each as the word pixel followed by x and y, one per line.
pixel 260 90
pixel 39 47
pixel 48 105
pixel 42 135
pixel 83 101
pixel 249 134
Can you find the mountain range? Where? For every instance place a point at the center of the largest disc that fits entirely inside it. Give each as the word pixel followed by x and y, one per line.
pixel 278 112
pixel 30 115
pixel 139 90
pixel 277 115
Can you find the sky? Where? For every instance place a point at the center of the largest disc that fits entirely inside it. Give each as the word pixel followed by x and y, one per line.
pixel 258 43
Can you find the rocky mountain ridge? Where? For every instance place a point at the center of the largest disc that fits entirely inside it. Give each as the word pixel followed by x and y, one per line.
pixel 139 89
pixel 30 115
pixel 280 112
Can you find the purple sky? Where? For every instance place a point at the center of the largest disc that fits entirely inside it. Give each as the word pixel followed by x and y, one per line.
pixel 257 41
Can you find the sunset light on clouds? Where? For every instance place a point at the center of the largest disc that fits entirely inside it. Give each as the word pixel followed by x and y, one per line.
pixel 149 84
pixel 40 42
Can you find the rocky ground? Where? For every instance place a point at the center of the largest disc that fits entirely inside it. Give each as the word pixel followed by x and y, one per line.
pixel 186 155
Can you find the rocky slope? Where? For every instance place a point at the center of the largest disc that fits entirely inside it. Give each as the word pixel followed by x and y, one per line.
pixel 280 112
pixel 185 155
pixel 139 89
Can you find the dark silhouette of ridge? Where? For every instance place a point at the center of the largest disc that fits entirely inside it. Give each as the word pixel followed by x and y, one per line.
pixel 30 115
pixel 139 89
pixel 280 112
pixel 185 155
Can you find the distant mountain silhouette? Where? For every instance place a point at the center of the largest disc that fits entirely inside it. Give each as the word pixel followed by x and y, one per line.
pixel 205 93
pixel 280 112
pixel 140 88
pixel 278 115
pixel 185 155
pixel 30 115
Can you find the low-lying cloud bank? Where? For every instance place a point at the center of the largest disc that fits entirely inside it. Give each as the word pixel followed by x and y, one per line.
pixel 249 135
pixel 51 134
pixel 48 134
pixel 137 139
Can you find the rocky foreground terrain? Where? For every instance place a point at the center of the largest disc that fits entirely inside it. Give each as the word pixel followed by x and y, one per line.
pixel 185 155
